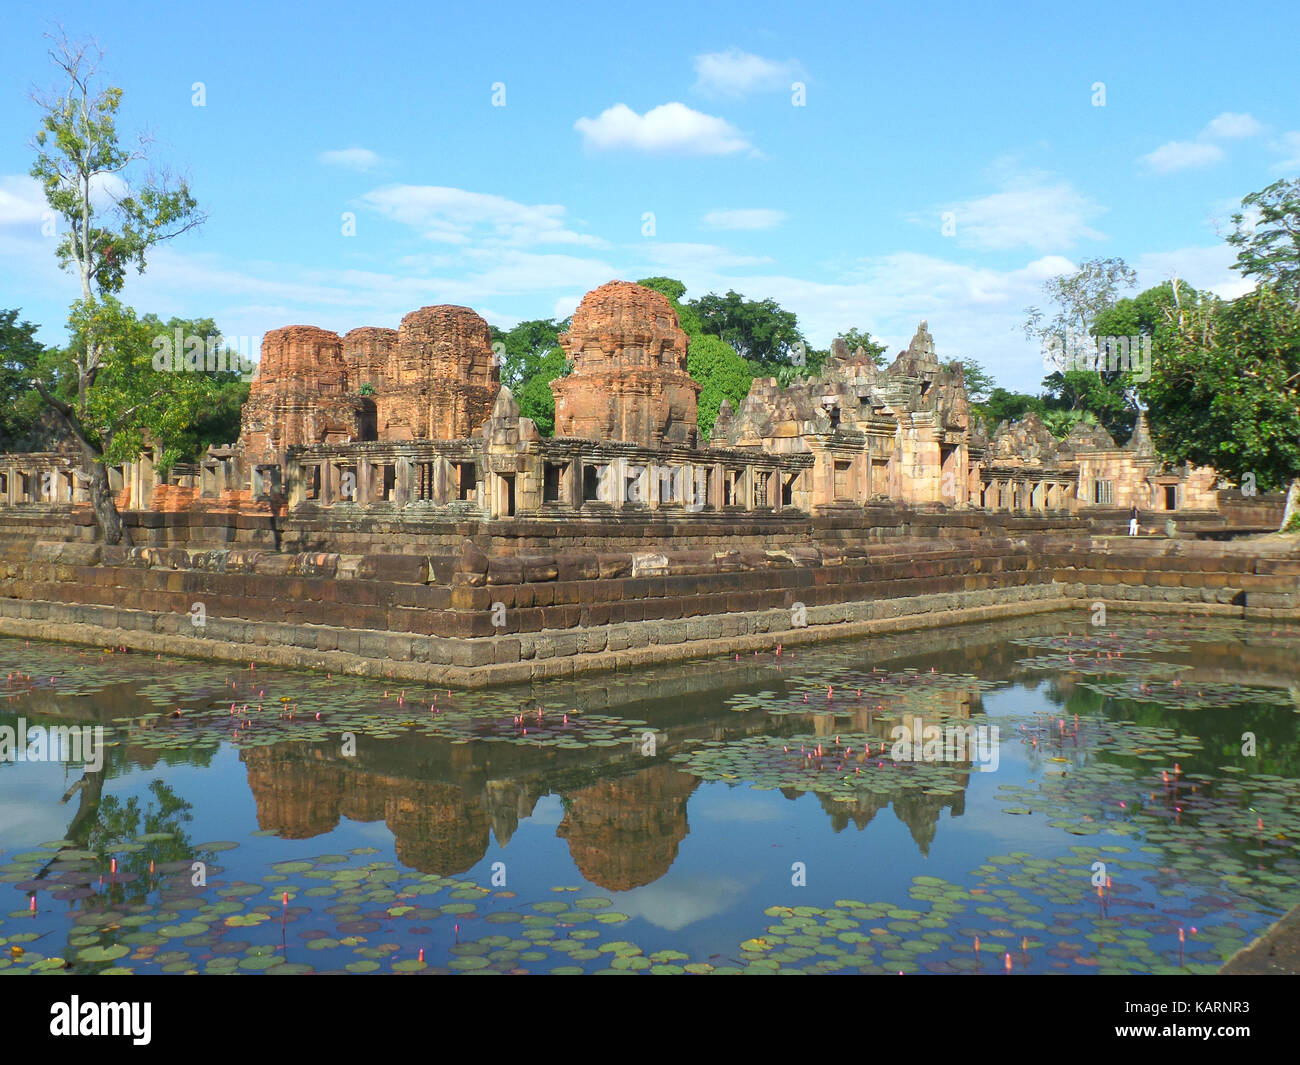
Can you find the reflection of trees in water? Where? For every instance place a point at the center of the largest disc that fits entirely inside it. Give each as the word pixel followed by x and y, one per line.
pixel 102 824
pixel 125 821
pixel 1221 731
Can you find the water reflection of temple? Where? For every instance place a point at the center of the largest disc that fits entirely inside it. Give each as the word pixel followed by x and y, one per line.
pixel 913 807
pixel 623 831
pixel 876 716
pixel 625 816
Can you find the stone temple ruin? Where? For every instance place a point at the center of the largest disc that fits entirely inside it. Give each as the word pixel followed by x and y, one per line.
pixel 394 422
pixel 388 510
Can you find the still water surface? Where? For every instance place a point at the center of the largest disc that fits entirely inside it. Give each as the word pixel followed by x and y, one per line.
pixel 1134 811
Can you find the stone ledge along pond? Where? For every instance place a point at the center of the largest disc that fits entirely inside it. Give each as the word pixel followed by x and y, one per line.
pixel 1126 803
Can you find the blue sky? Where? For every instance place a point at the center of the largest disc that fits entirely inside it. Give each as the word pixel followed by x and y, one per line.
pixel 680 111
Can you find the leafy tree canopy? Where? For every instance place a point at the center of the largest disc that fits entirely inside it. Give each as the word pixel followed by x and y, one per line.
pixel 722 373
pixel 759 330
pixel 1225 387
pixel 79 163
pixel 860 338
pixel 20 407
pixel 1267 237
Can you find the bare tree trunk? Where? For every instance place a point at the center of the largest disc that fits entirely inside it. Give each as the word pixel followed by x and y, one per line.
pixel 101 500
pixel 1292 503
pixel 92 465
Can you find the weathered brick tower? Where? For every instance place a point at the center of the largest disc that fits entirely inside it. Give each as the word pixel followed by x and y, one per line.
pixel 629 379
pixel 301 394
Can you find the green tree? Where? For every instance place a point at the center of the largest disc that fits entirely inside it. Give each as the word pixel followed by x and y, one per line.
pixel 536 400
pixel 711 361
pixel 674 290
pixel 1106 396
pixel 79 160
pixel 667 286
pixel 20 407
pixel 525 347
pixel 1267 237
pixel 532 358
pixel 759 330
pixel 1146 313
pixel 1078 302
pixel 723 375
pixel 213 415
pixel 860 338
pixel 1077 299
pixel 1225 388
pixel 979 382
pixel 1005 406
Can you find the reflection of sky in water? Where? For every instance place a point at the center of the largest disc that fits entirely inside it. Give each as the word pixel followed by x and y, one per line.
pixel 734 860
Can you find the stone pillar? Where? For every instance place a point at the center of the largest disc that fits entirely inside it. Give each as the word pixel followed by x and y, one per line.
pixel 572 492
pixel 643 484
pixel 444 474
pixel 615 483
pixel 365 477
pixel 403 475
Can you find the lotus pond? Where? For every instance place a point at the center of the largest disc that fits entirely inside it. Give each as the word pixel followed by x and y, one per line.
pixel 748 814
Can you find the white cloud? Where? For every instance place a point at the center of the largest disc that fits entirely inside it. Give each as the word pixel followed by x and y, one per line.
pixel 1289 145
pixel 21 202
pixel 1173 156
pixel 1230 126
pixel 679 255
pixel 668 128
pixel 1207 268
pixel 1182 155
pixel 1029 212
pixel 353 158
pixel 744 218
pixel 455 216
pixel 735 73
pixel 682 899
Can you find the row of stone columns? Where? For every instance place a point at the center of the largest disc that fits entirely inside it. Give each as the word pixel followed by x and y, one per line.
pixel 621 482
pixel 1022 495
pixel 55 484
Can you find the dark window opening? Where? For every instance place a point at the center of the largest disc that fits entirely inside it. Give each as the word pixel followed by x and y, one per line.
pixel 1171 497
pixel 508 484
pixel 787 491
pixel 552 482
pixel 467 481
pixel 590 484
pixel 367 421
